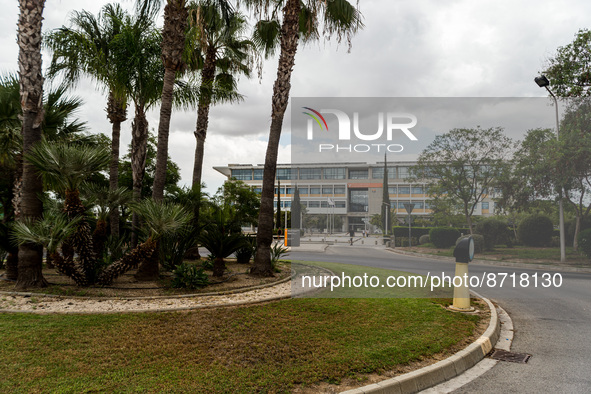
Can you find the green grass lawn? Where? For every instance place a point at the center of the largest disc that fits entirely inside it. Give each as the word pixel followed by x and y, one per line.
pixel 264 348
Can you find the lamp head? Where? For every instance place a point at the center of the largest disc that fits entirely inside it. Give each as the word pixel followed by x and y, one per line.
pixel 542 81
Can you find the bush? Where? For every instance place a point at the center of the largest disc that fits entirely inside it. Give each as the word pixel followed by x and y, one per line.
pixel 424 239
pixel 403 241
pixel 443 237
pixel 244 254
pixel 585 242
pixel 478 242
pixel 188 276
pixel 208 263
pixel 277 251
pixel 494 231
pixel 416 232
pixel 535 230
pixel 570 226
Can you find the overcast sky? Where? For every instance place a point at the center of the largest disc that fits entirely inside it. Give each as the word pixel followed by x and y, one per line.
pixel 424 48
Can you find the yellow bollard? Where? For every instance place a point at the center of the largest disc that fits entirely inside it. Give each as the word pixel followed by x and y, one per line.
pixel 464 253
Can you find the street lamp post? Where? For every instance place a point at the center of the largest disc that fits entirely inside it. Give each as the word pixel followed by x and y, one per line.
pixel 543 82
pixel 409 207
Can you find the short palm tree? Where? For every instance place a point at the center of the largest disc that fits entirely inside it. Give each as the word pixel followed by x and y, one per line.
pixel 299 19
pixel 218 238
pixel 65 166
pixel 160 219
pixel 51 232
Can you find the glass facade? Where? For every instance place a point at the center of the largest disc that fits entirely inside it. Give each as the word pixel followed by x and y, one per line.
pixel 403 189
pixel 378 172
pixel 339 190
pixel 359 174
pixel 258 175
pixel 417 190
pixel 303 190
pixel 485 205
pixel 335 173
pixel 310 173
pixel 283 173
pixel 327 190
pixel 242 175
pixel 314 190
pixel 358 200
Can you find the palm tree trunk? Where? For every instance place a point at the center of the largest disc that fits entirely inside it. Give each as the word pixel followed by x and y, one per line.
pixel 30 257
pixel 207 79
pixel 173 44
pixel 163 132
pixel 139 146
pixel 219 266
pixel 116 113
pixel 148 269
pixel 289 45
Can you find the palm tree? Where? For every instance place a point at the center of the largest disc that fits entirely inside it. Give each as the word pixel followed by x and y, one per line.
pixel 160 219
pixel 84 48
pixel 173 45
pixel 64 167
pixel 298 17
pixel 220 51
pixel 218 238
pixel 31 94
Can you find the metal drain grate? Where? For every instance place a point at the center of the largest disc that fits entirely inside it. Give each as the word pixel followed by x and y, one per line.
pixel 503 355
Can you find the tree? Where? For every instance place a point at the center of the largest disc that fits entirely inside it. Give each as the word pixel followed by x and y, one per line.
pixel 570 68
pixel 220 52
pixel 296 210
pixel 173 45
pixel 575 161
pixel 244 199
pixel 64 167
pixel 31 93
pixel 339 17
pixel 386 212
pixel 85 48
pixel 462 165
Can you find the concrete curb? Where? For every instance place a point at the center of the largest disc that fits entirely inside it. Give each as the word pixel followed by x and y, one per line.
pixel 508 263
pixel 443 370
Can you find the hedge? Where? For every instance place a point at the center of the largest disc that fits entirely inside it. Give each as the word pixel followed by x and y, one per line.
pixel 443 237
pixel 585 242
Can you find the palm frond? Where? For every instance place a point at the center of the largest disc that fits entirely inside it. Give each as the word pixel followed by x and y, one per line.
pixel 49 232
pixel 161 218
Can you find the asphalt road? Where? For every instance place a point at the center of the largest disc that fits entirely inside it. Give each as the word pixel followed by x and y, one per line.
pixel 552 324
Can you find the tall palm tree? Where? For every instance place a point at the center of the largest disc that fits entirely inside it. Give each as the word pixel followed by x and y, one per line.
pixel 64 167
pixel 31 93
pixel 219 49
pixel 339 18
pixel 84 49
pixel 173 45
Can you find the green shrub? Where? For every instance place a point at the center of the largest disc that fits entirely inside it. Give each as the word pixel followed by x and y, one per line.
pixel 416 232
pixel 403 241
pixel 277 250
pixel 244 254
pixel 494 231
pixel 443 237
pixel 208 263
pixel 424 239
pixel 571 225
pixel 585 242
pixel 189 276
pixel 535 230
pixel 478 242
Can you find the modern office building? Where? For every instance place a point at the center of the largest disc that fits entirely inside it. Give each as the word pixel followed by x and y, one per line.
pixel 353 191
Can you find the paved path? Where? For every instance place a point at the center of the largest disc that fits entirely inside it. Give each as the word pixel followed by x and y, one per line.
pixel 552 324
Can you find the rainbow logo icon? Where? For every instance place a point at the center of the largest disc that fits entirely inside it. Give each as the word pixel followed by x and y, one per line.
pixel 316 117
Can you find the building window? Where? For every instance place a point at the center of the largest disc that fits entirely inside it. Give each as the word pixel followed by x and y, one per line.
pixel 485 205
pixel 283 173
pixel 288 190
pixel 358 200
pixel 327 190
pixel 417 190
pixel 313 204
pixel 323 204
pixel 334 173
pixel 403 189
pixel 392 190
pixel 403 172
pixel 242 175
pixel 358 174
pixel 427 205
pixel 378 172
pixel 303 190
pixel 287 204
pixel 258 175
pixel 282 190
pixel 339 190
pixel 310 173
pixel 419 205
pixel 258 190
pixel 340 204
pixel 401 204
pixel 314 190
